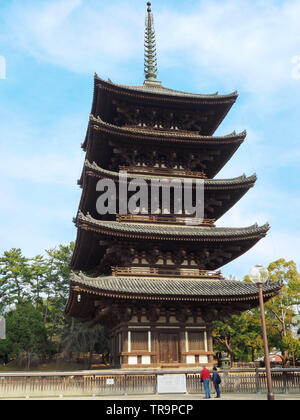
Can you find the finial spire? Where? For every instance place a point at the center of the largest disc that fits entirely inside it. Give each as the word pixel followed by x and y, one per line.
pixel 150 65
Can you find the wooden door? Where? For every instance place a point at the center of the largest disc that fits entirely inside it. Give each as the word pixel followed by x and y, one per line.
pixel 169 348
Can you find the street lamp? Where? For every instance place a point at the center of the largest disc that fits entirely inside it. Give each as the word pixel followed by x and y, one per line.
pixel 259 275
pixel 2 328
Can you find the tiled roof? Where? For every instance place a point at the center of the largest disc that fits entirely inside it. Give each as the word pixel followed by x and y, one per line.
pixel 182 232
pixel 158 287
pixel 207 182
pixel 167 135
pixel 158 89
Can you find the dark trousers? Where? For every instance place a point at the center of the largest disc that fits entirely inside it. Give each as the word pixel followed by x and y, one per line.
pixel 217 388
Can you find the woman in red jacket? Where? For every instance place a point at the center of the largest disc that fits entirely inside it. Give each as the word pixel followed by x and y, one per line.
pixel 205 378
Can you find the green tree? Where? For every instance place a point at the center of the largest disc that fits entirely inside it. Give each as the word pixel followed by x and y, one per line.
pixel 240 336
pixel 81 338
pixel 26 335
pixel 39 286
pixel 281 309
pixel 57 279
pixel 14 279
pixel 42 281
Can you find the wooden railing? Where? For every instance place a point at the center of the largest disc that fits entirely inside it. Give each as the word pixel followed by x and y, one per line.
pixel 161 129
pixel 163 171
pixel 118 382
pixel 166 219
pixel 165 272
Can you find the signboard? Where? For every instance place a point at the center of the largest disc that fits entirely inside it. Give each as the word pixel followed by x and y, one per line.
pixel 110 381
pixel 171 384
pixel 2 328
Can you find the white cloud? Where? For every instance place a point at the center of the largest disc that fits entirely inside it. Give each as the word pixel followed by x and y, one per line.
pixel 35 217
pixel 250 42
pixel 261 205
pixel 277 244
pixel 46 169
pixel 296 67
pixel 79 36
pixel 32 237
pixel 248 45
pixel 42 154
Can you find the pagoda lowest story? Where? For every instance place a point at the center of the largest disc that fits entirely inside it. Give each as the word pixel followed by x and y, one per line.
pixel 153 279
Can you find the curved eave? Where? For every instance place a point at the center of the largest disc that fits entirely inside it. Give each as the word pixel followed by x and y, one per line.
pixel 106 92
pixel 234 188
pixel 165 290
pixel 159 92
pixel 239 185
pixel 92 169
pixel 93 237
pixel 137 134
pixel 100 138
pixel 160 231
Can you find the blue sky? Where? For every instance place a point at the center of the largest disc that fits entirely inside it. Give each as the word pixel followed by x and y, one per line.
pixel 52 49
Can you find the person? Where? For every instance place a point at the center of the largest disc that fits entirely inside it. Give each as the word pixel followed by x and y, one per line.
pixel 205 378
pixel 216 378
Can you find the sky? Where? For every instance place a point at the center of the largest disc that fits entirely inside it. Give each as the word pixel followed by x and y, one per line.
pixel 49 52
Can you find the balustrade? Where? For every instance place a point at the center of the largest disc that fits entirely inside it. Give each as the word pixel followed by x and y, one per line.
pixel 166 219
pixel 165 272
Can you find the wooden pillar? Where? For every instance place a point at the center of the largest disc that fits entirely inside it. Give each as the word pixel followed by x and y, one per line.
pixel 149 341
pixel 114 349
pixel 125 346
pixel 186 341
pixel 185 346
pixel 209 342
pixel 155 347
pixel 129 342
pixel 182 345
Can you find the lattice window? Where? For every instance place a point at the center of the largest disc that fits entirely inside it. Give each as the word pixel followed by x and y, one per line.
pixel 139 341
pixel 196 341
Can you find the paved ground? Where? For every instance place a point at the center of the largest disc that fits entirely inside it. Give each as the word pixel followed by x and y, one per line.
pixel 171 397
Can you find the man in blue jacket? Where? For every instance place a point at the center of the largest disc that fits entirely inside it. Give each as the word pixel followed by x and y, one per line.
pixel 216 378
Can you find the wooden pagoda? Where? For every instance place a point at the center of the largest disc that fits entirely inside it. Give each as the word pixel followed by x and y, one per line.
pixel 153 279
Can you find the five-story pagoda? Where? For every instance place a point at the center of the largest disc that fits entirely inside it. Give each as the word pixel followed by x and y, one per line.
pixel 152 278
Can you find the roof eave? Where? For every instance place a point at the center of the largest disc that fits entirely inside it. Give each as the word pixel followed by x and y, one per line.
pixel 169 93
pixel 126 295
pixel 96 123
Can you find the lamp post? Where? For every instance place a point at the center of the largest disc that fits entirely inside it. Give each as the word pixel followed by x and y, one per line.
pixel 2 328
pixel 260 275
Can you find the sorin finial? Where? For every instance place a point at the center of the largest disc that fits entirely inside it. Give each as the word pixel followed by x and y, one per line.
pixel 150 64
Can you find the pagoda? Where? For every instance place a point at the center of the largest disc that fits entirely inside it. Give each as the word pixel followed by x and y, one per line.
pixel 153 279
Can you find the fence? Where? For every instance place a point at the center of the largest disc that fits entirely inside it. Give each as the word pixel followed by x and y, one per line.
pixel 109 383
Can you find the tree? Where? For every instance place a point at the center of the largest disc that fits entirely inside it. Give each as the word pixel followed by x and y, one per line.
pixel 26 336
pixel 240 336
pixel 14 279
pixel 57 279
pixel 281 309
pixel 42 281
pixel 39 287
pixel 83 339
